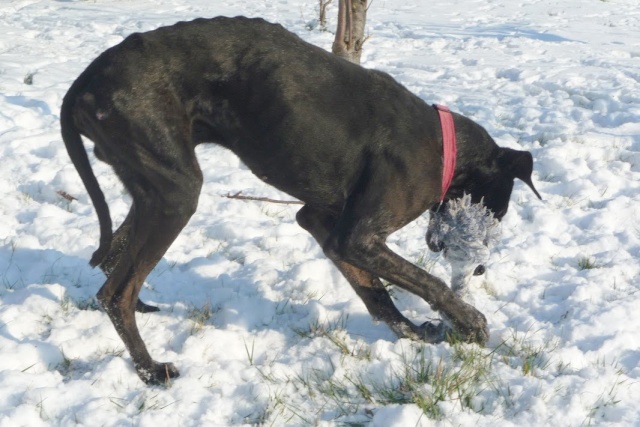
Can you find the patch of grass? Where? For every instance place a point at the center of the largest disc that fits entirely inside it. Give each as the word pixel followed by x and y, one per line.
pixel 606 400
pixel 64 367
pixel 152 403
pixel 283 306
pixel 89 304
pixel 249 352
pixel 312 295
pixel 569 201
pixel 143 403
pixel 348 389
pixel 41 411
pixel 336 334
pixel 11 284
pixel 318 329
pixel 427 381
pixel 426 261
pixel 199 317
pixel 587 263
pixel 420 378
pixel 270 414
pixel 66 305
pixel 518 352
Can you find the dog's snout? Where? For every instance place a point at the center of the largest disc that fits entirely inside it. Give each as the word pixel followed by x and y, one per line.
pixel 479 271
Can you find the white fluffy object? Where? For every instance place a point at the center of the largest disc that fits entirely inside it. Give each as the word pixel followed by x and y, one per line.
pixel 466 230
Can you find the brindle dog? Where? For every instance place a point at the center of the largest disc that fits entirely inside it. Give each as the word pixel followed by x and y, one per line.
pixel 362 152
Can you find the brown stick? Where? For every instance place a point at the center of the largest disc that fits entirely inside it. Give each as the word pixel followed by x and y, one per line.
pixel 68 197
pixel 239 196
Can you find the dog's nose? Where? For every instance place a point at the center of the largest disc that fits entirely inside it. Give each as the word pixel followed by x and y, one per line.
pixel 479 271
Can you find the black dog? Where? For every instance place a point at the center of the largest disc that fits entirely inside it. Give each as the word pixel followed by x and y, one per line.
pixel 361 151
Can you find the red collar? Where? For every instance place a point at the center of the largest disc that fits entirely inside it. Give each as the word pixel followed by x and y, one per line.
pixel 448 147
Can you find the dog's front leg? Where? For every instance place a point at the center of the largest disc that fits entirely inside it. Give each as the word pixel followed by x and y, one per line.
pixel 372 255
pixel 368 287
pixel 381 204
pixel 379 304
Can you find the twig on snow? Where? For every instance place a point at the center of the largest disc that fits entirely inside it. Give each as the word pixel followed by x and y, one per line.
pixel 239 196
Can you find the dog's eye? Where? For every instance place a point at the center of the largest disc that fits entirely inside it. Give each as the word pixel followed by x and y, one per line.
pixel 479 271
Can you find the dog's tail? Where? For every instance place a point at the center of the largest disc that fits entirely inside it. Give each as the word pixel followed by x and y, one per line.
pixel 78 154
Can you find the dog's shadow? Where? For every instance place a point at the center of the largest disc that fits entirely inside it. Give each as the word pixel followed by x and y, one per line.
pixel 216 291
pixel 197 291
pixel 34 285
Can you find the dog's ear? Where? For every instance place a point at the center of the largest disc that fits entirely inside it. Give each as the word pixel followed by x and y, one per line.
pixel 518 164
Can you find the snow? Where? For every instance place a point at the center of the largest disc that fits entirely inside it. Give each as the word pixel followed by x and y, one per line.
pixel 262 327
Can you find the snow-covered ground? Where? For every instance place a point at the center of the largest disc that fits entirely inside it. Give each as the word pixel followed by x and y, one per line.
pixel 262 327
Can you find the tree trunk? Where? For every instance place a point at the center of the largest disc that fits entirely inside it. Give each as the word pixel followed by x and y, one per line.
pixel 352 15
pixel 323 13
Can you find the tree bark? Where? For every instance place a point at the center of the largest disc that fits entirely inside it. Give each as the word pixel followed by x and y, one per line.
pixel 352 15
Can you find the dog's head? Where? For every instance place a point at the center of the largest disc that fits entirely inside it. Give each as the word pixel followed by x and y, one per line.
pixel 491 184
pixel 464 225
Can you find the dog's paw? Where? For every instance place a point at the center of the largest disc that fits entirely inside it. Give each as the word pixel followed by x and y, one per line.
pixel 433 333
pixel 478 331
pixel 158 373
pixel 142 307
pixel 471 327
pixel 427 332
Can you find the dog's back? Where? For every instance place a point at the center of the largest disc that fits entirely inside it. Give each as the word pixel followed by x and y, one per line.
pixel 261 91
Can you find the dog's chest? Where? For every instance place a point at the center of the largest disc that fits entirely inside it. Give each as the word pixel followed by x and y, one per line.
pixel 309 179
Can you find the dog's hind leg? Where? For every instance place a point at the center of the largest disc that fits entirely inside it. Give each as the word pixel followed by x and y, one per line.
pixel 368 287
pixel 165 196
pixel 118 244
